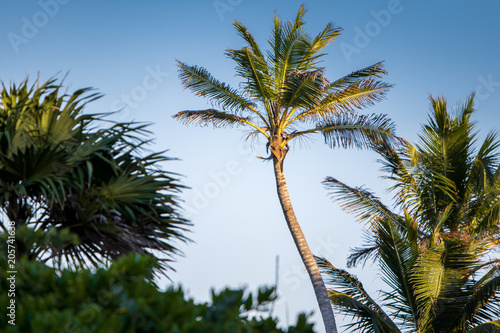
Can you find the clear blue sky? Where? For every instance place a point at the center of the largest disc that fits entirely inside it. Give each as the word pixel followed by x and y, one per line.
pixel 127 50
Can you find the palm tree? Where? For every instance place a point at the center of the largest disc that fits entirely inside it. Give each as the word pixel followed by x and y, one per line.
pixel 62 170
pixel 285 96
pixel 435 255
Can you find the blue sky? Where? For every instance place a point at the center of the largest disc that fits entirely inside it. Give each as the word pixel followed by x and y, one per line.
pixel 127 51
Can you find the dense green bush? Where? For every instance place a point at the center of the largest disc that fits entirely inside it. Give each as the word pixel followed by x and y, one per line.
pixel 121 298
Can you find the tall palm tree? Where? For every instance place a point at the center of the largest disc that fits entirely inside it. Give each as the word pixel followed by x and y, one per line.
pixel 284 95
pixel 435 254
pixel 62 170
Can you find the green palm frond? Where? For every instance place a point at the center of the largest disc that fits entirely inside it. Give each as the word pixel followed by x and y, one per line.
pixel 345 95
pixel 398 254
pixel 210 117
pixel 445 284
pixel 202 83
pixel 359 95
pixel 359 131
pixel 366 207
pixel 302 89
pixel 486 163
pixel 310 49
pixel 488 213
pixel 430 278
pixel 217 119
pixel 248 38
pixel 251 68
pixel 480 306
pixel 350 298
pixel 360 202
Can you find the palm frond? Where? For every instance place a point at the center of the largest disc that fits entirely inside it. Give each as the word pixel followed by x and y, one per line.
pixel 358 201
pixel 482 175
pixel 210 117
pixel 202 83
pixel 251 68
pixel 430 279
pixel 302 88
pixel 248 38
pixel 310 49
pixel 350 94
pixel 480 305
pixel 351 298
pixel 398 254
pixel 356 131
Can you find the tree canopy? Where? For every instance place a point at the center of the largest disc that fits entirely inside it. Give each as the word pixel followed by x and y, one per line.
pixel 64 169
pixel 435 252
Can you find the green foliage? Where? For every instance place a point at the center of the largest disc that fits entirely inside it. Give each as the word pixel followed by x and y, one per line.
pixel 122 299
pixel 63 169
pixel 436 254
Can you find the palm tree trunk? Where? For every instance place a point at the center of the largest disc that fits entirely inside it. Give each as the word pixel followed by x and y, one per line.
pixel 305 252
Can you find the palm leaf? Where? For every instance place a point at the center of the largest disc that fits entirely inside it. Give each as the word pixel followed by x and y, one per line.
pixel 359 131
pixel 481 305
pixel 351 298
pixel 360 202
pixel 398 254
pixel 202 83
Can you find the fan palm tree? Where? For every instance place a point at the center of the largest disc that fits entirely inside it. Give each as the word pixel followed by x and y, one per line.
pixel 435 255
pixel 285 96
pixel 61 170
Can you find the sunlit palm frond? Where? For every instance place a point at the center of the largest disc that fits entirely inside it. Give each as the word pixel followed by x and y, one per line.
pixel 250 67
pixel 210 117
pixel 445 284
pixel 346 98
pixel 430 279
pixel 484 167
pixel 302 89
pixel 310 48
pixel 350 298
pixel 202 83
pixel 358 131
pixel 398 253
pixel 358 201
pixel 480 305
pixel 357 95
pixel 285 55
pixel 248 38
pixel 488 213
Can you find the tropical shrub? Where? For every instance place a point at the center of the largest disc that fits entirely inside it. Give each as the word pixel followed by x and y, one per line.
pixel 122 298
pixel 64 169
